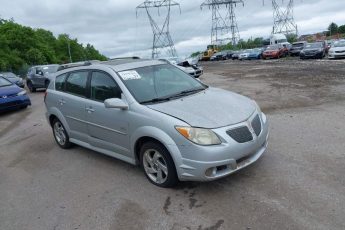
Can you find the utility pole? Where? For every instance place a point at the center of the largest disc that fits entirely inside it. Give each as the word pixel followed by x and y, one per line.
pixel 224 26
pixel 283 19
pixel 162 42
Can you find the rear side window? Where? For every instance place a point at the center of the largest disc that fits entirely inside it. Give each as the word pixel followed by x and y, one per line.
pixel 60 82
pixel 103 87
pixel 76 83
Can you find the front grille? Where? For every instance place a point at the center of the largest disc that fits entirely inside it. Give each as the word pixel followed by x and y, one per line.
pixel 256 124
pixel 241 134
pixel 8 104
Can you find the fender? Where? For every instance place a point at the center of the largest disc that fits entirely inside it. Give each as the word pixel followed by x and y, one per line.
pixel 164 138
pixel 56 112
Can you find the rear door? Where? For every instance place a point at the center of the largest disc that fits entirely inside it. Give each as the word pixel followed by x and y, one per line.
pixel 107 128
pixel 38 78
pixel 72 103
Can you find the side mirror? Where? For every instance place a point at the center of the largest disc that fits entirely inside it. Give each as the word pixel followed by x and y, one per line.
pixel 115 103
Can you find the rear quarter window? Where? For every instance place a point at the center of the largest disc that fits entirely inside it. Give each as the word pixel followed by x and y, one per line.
pixel 60 82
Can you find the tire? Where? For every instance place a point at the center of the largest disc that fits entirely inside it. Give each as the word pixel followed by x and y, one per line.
pixel 60 135
pixel 155 160
pixel 46 84
pixel 32 89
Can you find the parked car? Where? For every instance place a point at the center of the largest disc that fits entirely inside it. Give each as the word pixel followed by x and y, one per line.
pixel 273 51
pixel 13 78
pixel 337 50
pixel 227 54
pixel 296 48
pixel 189 66
pixel 236 54
pixel 219 56
pixel 244 55
pixel 11 96
pixel 314 50
pixel 40 76
pixel 256 53
pixel 150 113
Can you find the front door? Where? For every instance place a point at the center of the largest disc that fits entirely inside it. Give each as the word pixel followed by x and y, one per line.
pixel 107 128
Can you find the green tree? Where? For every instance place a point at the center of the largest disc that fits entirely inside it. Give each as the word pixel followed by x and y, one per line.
pixel 341 29
pixel 333 28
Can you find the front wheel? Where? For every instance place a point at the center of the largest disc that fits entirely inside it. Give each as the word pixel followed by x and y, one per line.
pixel 158 165
pixel 32 89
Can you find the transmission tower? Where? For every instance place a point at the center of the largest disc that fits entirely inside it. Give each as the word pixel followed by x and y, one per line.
pixel 224 26
pixel 283 19
pixel 162 41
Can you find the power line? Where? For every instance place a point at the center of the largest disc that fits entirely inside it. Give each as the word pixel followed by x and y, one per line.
pixel 162 42
pixel 224 27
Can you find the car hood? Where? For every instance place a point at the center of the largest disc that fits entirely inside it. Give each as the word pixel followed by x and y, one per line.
pixel 337 49
pixel 312 49
pixel 13 79
pixel 9 90
pixel 212 108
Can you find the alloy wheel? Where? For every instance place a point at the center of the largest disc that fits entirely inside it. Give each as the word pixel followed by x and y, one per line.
pixel 155 166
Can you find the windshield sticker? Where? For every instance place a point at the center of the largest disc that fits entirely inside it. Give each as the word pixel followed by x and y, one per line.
pixel 45 67
pixel 130 75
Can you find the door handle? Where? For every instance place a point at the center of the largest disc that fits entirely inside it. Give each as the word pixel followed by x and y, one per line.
pixel 90 110
pixel 62 102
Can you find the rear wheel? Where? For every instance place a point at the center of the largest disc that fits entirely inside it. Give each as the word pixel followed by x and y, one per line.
pixel 60 135
pixel 158 165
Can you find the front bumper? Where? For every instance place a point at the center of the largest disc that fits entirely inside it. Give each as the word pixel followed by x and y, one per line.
pixel 336 55
pixel 206 163
pixel 11 103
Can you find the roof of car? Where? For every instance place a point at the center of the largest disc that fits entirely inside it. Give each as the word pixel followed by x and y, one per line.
pixel 120 64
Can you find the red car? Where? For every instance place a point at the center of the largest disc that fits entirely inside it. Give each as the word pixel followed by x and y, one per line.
pixel 274 51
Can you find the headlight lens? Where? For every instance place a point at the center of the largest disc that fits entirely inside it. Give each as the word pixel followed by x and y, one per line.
pixel 199 136
pixel 21 93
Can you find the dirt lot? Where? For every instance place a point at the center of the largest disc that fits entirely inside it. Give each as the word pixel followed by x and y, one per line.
pixel 298 184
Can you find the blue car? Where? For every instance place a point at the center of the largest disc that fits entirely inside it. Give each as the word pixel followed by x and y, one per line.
pixel 11 96
pixel 255 54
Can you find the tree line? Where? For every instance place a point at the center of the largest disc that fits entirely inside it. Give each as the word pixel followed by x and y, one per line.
pixel 22 47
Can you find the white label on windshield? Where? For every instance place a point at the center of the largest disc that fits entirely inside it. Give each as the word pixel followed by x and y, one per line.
pixel 130 75
pixel 45 67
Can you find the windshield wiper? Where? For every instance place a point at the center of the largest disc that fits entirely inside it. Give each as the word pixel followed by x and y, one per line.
pixel 155 100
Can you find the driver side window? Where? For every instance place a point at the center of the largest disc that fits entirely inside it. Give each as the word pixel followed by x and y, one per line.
pixel 103 87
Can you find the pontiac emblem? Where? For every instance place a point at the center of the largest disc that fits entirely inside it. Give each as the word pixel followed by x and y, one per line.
pixel 4 97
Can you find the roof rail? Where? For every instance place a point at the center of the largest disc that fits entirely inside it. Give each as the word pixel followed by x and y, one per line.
pixel 76 64
pixel 122 58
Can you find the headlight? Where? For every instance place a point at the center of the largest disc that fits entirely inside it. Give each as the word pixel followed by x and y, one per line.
pixel 21 93
pixel 199 136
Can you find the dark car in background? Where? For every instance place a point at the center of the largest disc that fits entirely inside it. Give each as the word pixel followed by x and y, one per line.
pixel 218 56
pixel 13 78
pixel 296 48
pixel 40 76
pixel 314 50
pixel 11 96
pixel 236 54
pixel 273 51
pixel 256 53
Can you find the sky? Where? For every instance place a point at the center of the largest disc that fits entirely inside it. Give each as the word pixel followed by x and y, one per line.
pixel 116 29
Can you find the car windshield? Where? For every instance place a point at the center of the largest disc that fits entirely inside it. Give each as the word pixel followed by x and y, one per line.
pixel 272 48
pixel 298 45
pixel 339 44
pixel 314 45
pixel 49 68
pixel 159 83
pixel 8 75
pixel 4 82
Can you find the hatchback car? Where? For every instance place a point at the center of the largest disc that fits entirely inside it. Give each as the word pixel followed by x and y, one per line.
pixel 337 50
pixel 39 76
pixel 13 78
pixel 151 113
pixel 11 96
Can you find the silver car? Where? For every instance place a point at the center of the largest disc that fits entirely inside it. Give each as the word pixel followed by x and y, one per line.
pixel 337 50
pixel 151 113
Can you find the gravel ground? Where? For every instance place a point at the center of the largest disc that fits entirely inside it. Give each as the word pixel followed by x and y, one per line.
pixel 298 184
